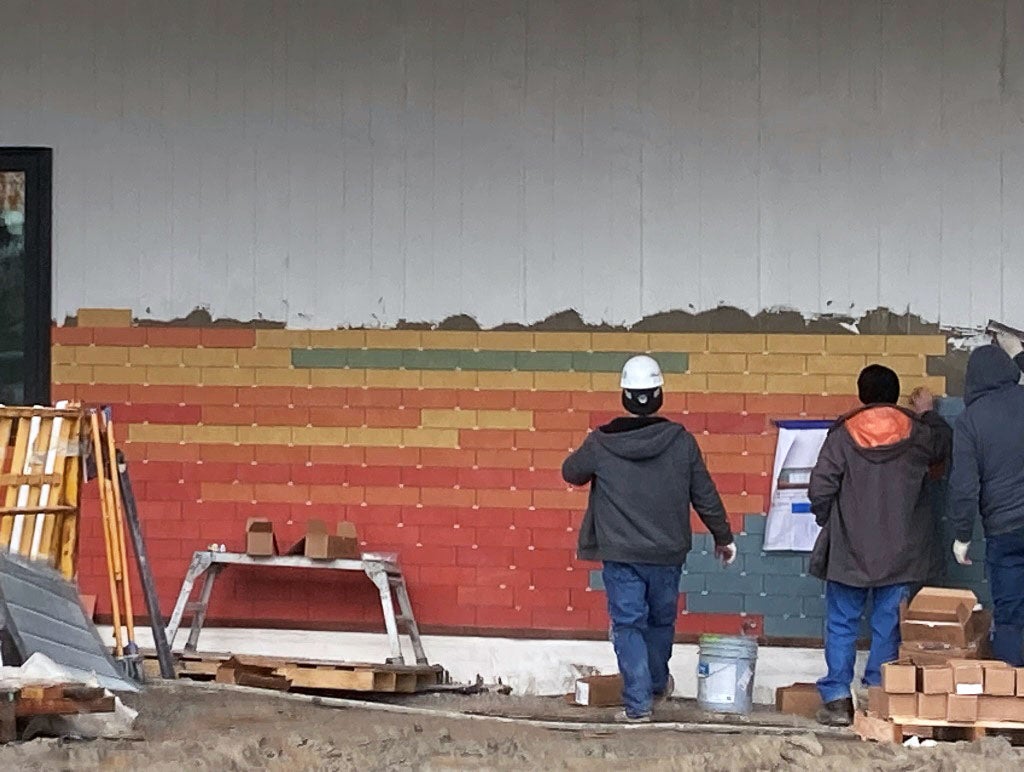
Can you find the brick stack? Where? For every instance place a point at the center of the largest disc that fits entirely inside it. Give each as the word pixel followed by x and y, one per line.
pixel 443 445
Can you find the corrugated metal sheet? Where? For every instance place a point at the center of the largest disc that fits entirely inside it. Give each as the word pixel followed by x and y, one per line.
pixel 41 612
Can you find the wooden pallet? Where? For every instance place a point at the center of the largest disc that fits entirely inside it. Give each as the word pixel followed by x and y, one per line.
pixel 898 728
pixel 40 473
pixel 31 700
pixel 312 675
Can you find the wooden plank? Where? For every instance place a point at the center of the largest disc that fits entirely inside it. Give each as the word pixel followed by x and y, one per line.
pixel 31 479
pixel 41 692
pixel 346 680
pixel 63 707
pixel 870 728
pixel 30 412
pixel 60 509
pixel 17 465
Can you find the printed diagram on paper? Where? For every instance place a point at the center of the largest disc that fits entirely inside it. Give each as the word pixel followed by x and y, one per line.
pixel 791 524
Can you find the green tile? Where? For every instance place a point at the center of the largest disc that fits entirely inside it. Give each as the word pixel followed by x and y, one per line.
pixel 598 361
pixel 493 361
pixel 673 362
pixel 549 361
pixel 435 359
pixel 320 357
pixel 375 358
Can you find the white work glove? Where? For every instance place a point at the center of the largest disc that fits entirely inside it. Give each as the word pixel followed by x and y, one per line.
pixel 1011 344
pixel 726 553
pixel 960 552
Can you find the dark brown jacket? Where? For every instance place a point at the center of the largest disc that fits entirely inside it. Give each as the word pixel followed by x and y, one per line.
pixel 866 493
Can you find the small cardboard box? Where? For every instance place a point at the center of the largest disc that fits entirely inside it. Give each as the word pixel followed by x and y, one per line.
pixel 259 538
pixel 1000 679
pixel 968 677
pixel 321 545
pixel 885 705
pixel 944 616
pixel 600 691
pixel 931 706
pixel 935 679
pixel 962 708
pixel 923 653
pixel 899 678
pixel 1000 709
pixel 800 699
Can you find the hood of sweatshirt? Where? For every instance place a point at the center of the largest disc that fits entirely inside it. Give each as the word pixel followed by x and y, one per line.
pixel 989 370
pixel 879 432
pixel 638 438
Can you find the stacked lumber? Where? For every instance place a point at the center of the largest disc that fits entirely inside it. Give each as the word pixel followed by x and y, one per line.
pixel 31 700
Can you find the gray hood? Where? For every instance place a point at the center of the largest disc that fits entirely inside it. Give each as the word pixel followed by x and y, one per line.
pixel 989 370
pixel 637 444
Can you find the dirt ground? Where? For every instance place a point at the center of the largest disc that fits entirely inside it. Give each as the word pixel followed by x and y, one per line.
pixel 191 726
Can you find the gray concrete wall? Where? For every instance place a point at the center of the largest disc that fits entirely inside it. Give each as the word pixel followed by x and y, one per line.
pixel 364 161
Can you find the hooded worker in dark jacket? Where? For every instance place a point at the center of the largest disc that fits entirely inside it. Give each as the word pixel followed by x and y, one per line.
pixel 866 493
pixel 644 472
pixel 987 479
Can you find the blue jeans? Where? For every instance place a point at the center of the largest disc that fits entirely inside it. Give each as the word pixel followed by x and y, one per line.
pixel 1004 563
pixel 843 608
pixel 643 601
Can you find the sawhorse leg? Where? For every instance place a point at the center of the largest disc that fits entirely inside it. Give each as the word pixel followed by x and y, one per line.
pixel 405 609
pixel 200 608
pixel 200 565
pixel 379 576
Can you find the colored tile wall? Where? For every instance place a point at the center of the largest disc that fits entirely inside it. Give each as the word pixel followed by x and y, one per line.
pixel 447 447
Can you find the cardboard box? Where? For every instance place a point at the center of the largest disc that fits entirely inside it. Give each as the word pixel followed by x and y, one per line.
pixel 885 705
pixel 923 653
pixel 259 538
pixel 1000 679
pixel 798 700
pixel 600 691
pixel 932 706
pixel 321 545
pixel 935 679
pixel 1000 709
pixel 968 677
pixel 944 616
pixel 1020 681
pixel 899 678
pixel 961 708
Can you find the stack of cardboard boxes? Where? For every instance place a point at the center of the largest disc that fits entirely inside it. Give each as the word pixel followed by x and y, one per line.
pixel 940 625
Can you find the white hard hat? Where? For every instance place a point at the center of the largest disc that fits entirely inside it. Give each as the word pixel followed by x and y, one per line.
pixel 642 372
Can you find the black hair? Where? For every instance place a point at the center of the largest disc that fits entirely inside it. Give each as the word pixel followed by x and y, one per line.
pixel 878 385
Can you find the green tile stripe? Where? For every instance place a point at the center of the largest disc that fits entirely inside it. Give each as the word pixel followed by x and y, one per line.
pixel 493 361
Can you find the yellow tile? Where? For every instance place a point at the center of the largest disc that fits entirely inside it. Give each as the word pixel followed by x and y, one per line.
pixel 449 419
pixel 228 376
pixel 104 317
pixel 264 435
pixel 283 376
pixel 102 355
pixel 836 364
pixel 168 376
pixel 930 345
pixel 561 341
pixel 62 355
pixel 736 343
pixel 206 357
pixel 154 433
pixel 605 381
pixel 165 357
pixel 80 374
pixel 736 383
pixel 374 437
pixel 261 357
pixel 321 435
pixel 430 438
pixel 561 381
pixel 392 338
pixel 905 364
pixel 210 435
pixel 505 341
pixel 795 344
pixel 684 342
pixel 627 342
pixel 448 379
pixel 518 381
pixel 337 377
pixel 841 384
pixel 504 419
pixel 783 364
pixel 461 340
pixel 855 344
pixel 684 382
pixel 116 375
pixel 795 384
pixel 935 383
pixel 718 363
pixel 337 338
pixel 393 379
pixel 282 339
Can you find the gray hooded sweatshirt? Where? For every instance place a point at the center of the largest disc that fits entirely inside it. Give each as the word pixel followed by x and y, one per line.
pixel 988 448
pixel 644 475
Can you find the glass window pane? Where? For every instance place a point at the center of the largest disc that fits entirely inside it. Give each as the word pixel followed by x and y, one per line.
pixel 12 286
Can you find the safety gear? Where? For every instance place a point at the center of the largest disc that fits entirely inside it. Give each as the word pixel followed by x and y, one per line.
pixel 726 553
pixel 643 402
pixel 641 373
pixel 960 552
pixel 836 713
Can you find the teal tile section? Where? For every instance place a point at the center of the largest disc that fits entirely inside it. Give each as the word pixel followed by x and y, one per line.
pixel 375 358
pixel 547 361
pixel 491 361
pixel 319 357
pixel 598 361
pixel 431 359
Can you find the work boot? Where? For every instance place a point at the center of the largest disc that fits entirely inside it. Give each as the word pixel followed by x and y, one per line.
pixel 670 688
pixel 836 713
pixel 622 717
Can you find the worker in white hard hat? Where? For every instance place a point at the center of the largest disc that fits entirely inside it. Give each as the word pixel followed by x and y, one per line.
pixel 645 472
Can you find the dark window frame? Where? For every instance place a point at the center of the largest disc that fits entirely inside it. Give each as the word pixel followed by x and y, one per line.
pixel 37 165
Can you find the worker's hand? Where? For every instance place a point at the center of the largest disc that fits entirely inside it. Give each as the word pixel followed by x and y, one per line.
pixel 922 400
pixel 1009 343
pixel 726 553
pixel 960 552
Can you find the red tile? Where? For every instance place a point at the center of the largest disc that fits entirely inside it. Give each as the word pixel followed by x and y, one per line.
pixel 486 400
pixel 371 476
pixel 119 336
pixel 319 397
pixel 392 456
pixel 334 454
pixel 504 458
pixel 435 399
pixel 544 440
pixel 489 556
pixel 282 416
pixel 736 423
pixel 227 415
pixel 543 518
pixel 263 395
pixel 544 400
pixel 228 337
pixel 211 395
pixel 72 336
pixel 374 398
pixel 543 479
pixel 485 478
pixel 173 336
pixel 337 416
pixel 280 454
pixel 715 403
pixel 483 439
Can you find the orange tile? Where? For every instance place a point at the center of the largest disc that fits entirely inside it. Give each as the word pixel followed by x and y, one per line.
pixel 393 496
pixel 392 456
pixel 447 497
pixel 721 443
pixel 715 403
pixel 504 498
pixel 478 439
pixel 774 405
pixel 228 415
